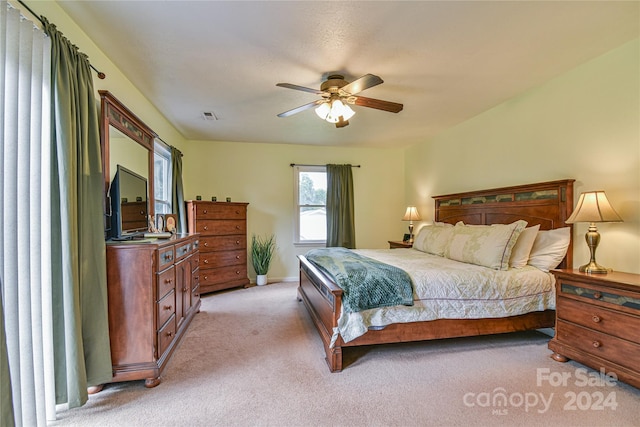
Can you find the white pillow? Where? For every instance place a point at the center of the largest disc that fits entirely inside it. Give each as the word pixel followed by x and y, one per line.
pixel 549 248
pixel 486 245
pixel 520 252
pixel 433 239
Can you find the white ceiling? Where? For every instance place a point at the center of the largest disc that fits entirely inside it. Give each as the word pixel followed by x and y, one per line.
pixel 446 61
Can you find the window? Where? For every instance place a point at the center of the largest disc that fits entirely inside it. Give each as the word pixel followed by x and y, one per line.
pixel 310 204
pixel 162 177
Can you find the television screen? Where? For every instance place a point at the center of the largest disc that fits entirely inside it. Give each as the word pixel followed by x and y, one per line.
pixel 129 204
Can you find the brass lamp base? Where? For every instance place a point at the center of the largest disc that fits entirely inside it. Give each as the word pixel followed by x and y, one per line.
pixel 593 238
pixel 594 268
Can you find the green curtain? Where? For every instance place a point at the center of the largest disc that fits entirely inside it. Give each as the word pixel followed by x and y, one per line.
pixel 177 192
pixel 6 402
pixel 82 355
pixel 341 230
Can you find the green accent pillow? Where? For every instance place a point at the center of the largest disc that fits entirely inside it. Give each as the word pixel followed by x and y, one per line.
pixel 485 245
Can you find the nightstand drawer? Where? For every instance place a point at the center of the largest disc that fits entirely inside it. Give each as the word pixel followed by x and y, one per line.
pixel 619 351
pixel 599 318
pixel 613 298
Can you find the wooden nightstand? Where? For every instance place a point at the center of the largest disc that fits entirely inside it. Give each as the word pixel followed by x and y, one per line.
pixel 598 322
pixel 396 244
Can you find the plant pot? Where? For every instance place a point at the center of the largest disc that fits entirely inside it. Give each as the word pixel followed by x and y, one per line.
pixel 261 279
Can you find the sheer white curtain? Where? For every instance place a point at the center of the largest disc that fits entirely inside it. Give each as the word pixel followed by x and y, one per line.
pixel 25 159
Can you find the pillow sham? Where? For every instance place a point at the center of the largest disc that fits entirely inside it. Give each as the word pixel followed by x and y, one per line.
pixel 433 239
pixel 549 248
pixel 522 248
pixel 485 245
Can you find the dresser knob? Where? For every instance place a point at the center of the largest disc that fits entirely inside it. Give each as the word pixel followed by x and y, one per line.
pixel 206 245
pixel 204 211
pixel 206 277
pixel 167 307
pixel 596 318
pixel 206 227
pixel 237 242
pixel 237 227
pixel 597 295
pixel 237 272
pixel 168 280
pixel 197 295
pixel 184 289
pixel 206 261
pixel 596 344
pixel 142 213
pixel 169 334
pixel 237 256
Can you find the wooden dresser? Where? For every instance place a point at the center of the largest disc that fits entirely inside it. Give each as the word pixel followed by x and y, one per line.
pixel 598 322
pixel 223 243
pixel 153 291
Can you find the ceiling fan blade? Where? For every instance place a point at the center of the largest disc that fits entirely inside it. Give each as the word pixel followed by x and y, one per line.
pixel 364 82
pixel 302 88
pixel 301 108
pixel 392 107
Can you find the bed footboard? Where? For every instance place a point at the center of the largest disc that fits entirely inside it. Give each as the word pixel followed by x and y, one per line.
pixel 323 300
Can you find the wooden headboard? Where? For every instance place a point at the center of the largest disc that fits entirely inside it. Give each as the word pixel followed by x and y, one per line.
pixel 546 203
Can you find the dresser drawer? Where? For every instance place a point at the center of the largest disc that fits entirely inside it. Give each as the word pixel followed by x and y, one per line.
pixel 165 257
pixel 166 308
pixel 220 210
pixel 165 335
pixel 223 259
pixel 220 275
pixel 222 243
pixel 221 227
pixel 599 318
pixel 596 343
pixel 183 250
pixel 166 281
pixel 195 261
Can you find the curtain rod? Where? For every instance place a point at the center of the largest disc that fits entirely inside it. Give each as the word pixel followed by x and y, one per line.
pixel 101 75
pixel 300 164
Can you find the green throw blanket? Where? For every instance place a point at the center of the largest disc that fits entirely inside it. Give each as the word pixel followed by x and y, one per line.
pixel 365 282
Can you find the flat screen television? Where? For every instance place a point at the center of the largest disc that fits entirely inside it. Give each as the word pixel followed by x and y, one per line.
pixel 129 204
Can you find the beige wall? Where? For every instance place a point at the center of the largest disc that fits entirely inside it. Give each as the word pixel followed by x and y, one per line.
pixel 261 175
pixel 584 125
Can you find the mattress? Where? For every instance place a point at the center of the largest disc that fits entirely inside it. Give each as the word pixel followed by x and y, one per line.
pixel 447 289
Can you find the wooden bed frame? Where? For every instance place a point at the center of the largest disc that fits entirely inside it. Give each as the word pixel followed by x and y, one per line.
pixel 548 204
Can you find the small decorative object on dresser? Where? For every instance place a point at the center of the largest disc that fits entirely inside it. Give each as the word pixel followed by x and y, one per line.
pixel 598 322
pixel 223 243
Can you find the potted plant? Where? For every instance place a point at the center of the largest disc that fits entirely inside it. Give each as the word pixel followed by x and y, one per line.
pixel 262 250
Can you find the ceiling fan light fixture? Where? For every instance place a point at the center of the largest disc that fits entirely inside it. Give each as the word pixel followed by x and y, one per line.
pixel 333 110
pixel 323 110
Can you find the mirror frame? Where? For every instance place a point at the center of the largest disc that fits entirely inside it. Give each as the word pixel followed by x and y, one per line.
pixel 114 113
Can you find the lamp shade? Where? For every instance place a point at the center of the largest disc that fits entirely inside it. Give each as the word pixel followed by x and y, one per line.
pixel 411 214
pixel 593 206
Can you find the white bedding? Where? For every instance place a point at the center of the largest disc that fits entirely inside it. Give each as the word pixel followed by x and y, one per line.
pixel 447 289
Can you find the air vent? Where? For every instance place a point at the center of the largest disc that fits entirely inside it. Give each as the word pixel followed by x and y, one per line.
pixel 209 115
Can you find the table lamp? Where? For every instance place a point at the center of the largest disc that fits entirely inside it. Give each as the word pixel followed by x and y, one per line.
pixel 593 207
pixel 411 215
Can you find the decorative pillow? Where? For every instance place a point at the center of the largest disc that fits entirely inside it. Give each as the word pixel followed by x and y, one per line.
pixel 520 252
pixel 549 248
pixel 486 245
pixel 433 239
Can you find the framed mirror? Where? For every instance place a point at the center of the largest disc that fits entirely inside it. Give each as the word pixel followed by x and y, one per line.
pixel 127 146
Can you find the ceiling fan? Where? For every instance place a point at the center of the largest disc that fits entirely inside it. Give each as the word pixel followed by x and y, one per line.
pixel 337 94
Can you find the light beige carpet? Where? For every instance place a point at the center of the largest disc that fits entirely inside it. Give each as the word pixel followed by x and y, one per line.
pixel 253 357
